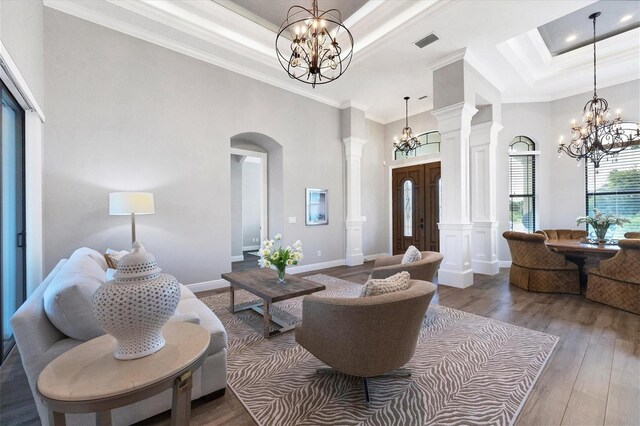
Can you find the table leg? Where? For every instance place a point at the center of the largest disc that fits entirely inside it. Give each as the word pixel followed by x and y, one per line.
pixel 103 418
pixel 232 299
pixel 57 419
pixel 181 404
pixel 267 319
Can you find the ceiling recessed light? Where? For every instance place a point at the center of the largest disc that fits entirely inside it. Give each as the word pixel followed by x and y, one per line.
pixel 571 38
pixel 625 18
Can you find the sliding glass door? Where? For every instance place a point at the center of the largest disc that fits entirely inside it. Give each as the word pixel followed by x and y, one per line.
pixel 12 207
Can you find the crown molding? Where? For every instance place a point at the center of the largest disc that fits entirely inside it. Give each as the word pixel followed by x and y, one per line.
pixel 448 59
pixel 377 33
pixel 77 10
pixel 373 117
pixel 356 105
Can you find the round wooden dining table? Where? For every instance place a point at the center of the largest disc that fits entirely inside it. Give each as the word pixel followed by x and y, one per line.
pixel 585 255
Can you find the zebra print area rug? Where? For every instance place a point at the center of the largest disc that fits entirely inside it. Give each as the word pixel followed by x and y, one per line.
pixel 466 370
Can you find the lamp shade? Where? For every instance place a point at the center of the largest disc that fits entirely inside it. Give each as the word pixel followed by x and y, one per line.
pixel 125 203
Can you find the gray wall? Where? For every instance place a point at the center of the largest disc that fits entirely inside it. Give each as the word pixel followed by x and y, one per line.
pixel 128 115
pixel 251 187
pixel 21 31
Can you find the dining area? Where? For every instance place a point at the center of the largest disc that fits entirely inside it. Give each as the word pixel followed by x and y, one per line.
pixel 569 261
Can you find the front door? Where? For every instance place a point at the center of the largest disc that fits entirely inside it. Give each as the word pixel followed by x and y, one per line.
pixel 416 207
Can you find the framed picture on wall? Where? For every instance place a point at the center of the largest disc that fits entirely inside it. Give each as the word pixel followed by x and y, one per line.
pixel 316 207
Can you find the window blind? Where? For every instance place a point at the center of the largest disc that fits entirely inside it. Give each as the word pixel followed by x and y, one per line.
pixel 614 188
pixel 522 190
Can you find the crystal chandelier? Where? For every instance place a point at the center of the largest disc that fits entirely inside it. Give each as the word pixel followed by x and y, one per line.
pixel 598 135
pixel 406 142
pixel 314 55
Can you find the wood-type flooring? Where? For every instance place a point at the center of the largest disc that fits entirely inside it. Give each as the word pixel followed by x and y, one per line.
pixel 592 378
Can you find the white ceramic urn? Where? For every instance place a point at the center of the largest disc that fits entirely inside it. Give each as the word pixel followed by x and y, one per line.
pixel 136 304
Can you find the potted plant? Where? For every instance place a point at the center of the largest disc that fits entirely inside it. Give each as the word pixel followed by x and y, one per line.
pixel 279 258
pixel 600 222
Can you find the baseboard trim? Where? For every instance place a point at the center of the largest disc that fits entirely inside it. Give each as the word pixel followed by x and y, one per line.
pixel 207 285
pixel 505 264
pixel 315 266
pixel 250 248
pixel 368 257
pixel 238 258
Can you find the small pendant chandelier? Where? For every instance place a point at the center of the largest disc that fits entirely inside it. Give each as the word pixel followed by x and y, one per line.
pixel 314 55
pixel 406 142
pixel 598 136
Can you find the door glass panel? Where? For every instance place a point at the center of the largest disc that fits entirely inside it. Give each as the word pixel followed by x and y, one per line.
pixel 408 208
pixel 12 276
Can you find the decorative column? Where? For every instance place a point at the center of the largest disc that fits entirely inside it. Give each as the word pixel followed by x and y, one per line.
pixel 353 153
pixel 454 124
pixel 484 235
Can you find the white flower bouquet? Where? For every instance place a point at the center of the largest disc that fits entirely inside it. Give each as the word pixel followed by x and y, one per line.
pixel 279 257
pixel 600 222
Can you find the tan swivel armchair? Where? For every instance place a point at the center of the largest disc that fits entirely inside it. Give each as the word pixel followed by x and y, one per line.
pixel 536 268
pixel 424 269
pixel 563 234
pixel 365 336
pixel 633 235
pixel 616 282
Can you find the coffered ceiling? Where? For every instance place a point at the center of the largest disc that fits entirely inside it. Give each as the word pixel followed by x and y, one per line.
pixel 271 13
pixel 499 38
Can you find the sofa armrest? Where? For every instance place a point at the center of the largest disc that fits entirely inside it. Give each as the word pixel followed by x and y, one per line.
pixel 387 261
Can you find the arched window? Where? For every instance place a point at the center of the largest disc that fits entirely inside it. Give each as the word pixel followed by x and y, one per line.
pixel 522 184
pixel 430 144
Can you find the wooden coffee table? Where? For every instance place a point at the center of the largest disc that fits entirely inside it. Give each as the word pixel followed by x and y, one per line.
pixel 262 283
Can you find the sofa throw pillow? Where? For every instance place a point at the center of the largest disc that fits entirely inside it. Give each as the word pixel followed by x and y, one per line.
pixel 67 299
pixel 411 255
pixel 113 257
pixel 376 287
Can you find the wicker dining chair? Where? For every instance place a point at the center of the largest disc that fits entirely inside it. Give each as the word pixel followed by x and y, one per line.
pixel 616 282
pixel 536 268
pixel 633 235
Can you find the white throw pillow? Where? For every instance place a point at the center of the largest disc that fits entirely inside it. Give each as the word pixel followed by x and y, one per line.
pixel 67 299
pixel 376 287
pixel 411 255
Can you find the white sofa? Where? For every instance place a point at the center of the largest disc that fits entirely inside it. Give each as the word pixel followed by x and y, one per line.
pixel 39 342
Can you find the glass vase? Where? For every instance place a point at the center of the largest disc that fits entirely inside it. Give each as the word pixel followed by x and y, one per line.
pixel 281 272
pixel 601 233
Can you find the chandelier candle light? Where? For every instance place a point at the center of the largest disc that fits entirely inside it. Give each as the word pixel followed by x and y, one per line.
pixel 279 257
pixel 313 54
pixel 598 135
pixel 406 142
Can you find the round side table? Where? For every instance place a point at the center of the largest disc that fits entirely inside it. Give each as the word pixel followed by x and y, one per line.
pixel 89 379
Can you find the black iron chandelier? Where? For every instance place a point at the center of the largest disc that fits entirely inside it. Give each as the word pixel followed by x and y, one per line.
pixel 599 136
pixel 406 142
pixel 314 55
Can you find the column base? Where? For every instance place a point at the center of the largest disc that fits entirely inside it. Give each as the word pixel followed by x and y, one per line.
pixel 484 258
pixel 455 246
pixel 458 279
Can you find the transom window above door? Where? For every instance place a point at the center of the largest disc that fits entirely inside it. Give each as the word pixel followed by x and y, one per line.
pixel 429 144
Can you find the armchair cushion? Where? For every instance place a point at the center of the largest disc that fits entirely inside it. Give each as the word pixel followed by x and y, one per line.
pixel 67 300
pixel 411 255
pixel 376 287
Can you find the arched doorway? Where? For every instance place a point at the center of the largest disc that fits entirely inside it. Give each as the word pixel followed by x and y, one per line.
pixel 256 195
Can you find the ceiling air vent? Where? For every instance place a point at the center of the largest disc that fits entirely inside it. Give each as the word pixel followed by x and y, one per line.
pixel 427 40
